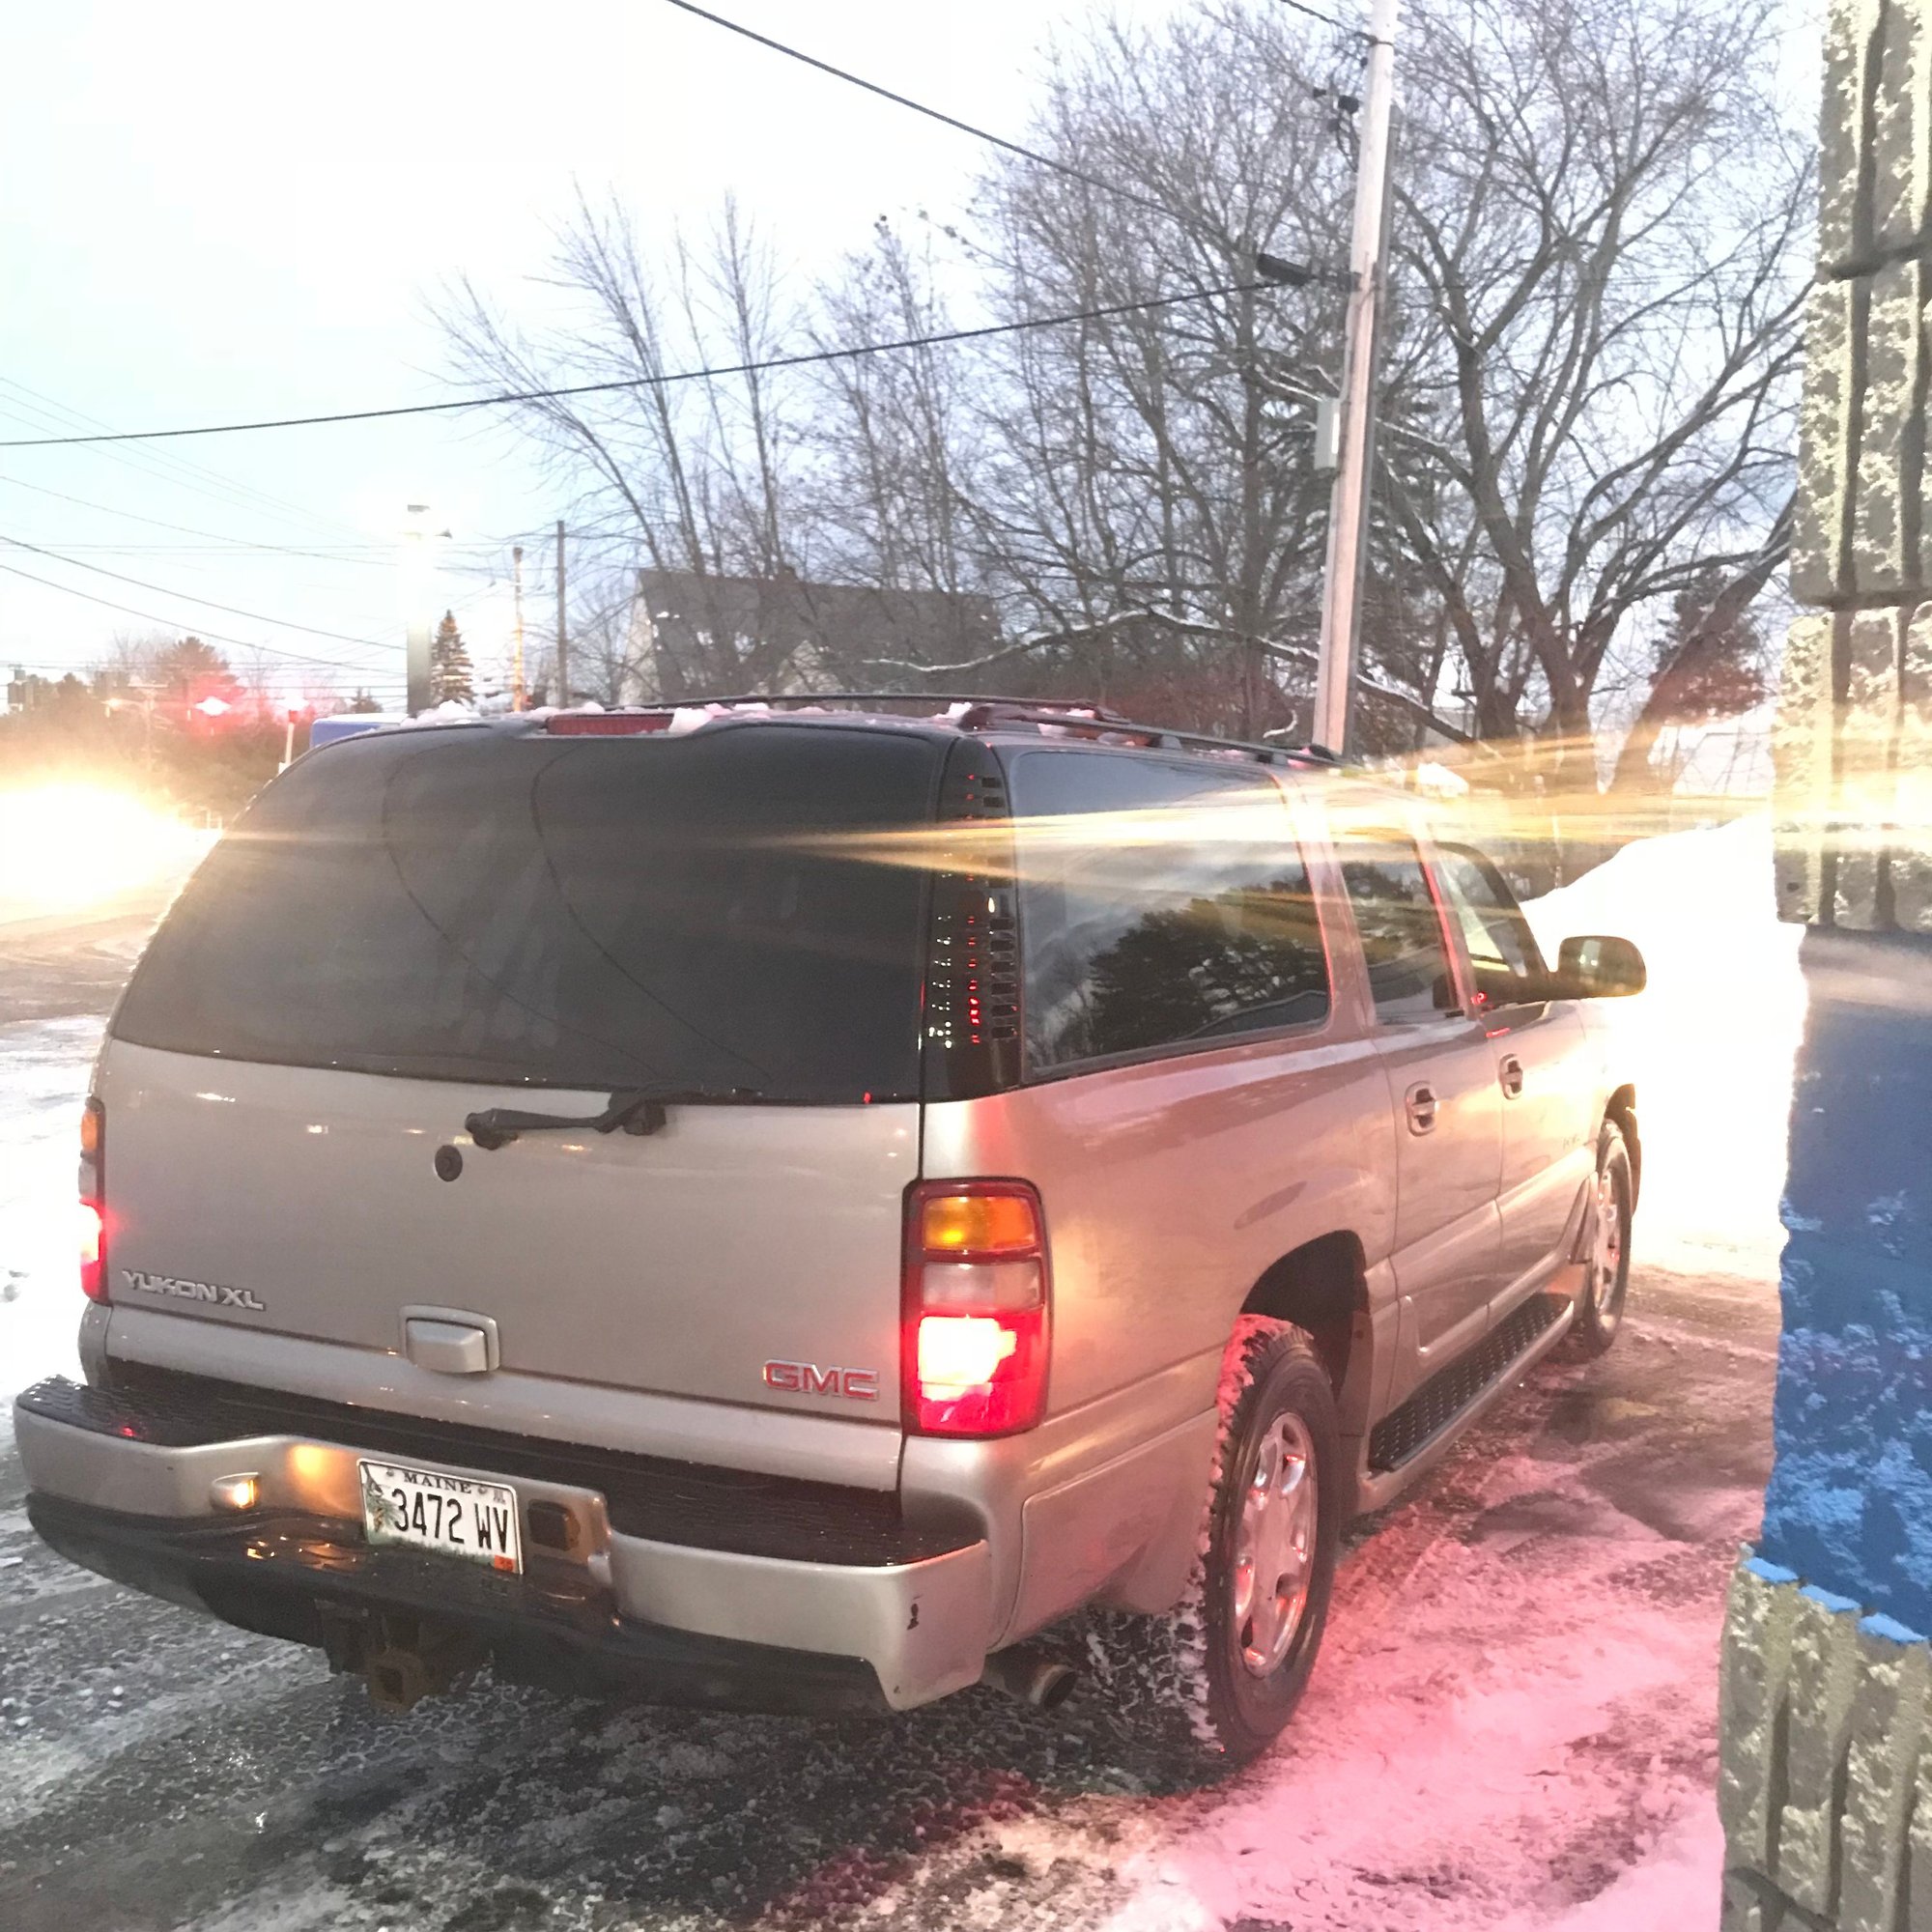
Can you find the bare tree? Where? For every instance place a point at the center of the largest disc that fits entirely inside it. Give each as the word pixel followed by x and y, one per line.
pixel 1600 208
pixel 694 477
pixel 1585 415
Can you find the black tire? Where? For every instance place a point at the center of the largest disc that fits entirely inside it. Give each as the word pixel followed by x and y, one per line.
pixel 1202 1685
pixel 1606 1260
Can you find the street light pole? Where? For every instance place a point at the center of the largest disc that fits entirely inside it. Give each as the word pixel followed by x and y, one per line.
pixel 562 634
pixel 1348 507
pixel 517 592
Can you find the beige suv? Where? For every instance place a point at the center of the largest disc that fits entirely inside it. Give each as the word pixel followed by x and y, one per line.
pixel 811 1211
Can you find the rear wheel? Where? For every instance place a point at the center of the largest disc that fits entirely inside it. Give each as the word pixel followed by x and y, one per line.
pixel 1214 1680
pixel 1607 1248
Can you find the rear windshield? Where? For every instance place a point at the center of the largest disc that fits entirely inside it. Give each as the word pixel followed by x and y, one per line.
pixel 582 913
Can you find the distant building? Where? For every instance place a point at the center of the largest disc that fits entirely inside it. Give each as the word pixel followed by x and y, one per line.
pixel 698 635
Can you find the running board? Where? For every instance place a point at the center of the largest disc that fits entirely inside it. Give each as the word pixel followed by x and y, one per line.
pixel 1440 1407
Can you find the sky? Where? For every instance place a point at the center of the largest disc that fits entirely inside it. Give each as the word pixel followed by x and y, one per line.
pixel 219 211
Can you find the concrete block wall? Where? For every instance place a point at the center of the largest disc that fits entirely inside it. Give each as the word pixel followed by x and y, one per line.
pixel 1825 1788
pixel 1826 1792
pixel 1856 839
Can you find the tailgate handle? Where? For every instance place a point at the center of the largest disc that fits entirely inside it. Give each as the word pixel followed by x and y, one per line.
pixel 449 1344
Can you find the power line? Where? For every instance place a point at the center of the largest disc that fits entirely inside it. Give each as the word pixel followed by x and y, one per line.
pixel 951 121
pixel 171 469
pixel 174 624
pixel 1313 13
pixel 190 596
pixel 1273 275
pixel 336 553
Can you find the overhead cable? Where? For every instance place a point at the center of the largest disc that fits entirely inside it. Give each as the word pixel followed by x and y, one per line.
pixel 192 597
pixel 1272 274
pixel 951 121
pixel 1313 13
pixel 195 629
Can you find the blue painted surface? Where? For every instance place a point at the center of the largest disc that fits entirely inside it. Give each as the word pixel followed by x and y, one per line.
pixel 1850 1502
pixel 350 724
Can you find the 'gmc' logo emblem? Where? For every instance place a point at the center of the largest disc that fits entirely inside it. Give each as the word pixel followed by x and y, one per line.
pixel 808 1378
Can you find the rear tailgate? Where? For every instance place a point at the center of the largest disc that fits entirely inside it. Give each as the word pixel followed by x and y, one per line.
pixel 306 1203
pixel 413 926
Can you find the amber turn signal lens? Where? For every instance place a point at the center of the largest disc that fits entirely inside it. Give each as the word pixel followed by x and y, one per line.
pixel 90 1130
pixel 978 1224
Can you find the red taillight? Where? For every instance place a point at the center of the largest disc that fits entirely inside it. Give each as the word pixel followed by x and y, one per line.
pixel 93 1230
pixel 92 1284
pixel 976 1308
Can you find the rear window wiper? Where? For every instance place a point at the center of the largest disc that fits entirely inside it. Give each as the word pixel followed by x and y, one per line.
pixel 635 1110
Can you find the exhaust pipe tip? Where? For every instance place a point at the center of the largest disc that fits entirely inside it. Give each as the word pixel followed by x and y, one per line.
pixel 1032 1676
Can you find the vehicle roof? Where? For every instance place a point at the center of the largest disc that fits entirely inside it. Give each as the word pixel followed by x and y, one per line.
pixel 1005 720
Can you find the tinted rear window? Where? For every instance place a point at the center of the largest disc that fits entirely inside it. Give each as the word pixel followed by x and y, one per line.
pixel 586 913
pixel 1161 906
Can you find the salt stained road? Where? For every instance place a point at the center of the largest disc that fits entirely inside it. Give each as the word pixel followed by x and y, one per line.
pixel 1512 1725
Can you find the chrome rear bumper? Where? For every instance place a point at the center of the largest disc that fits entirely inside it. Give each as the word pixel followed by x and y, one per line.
pixel 918 1615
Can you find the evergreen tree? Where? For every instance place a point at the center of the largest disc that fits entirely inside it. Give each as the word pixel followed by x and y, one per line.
pixel 449 674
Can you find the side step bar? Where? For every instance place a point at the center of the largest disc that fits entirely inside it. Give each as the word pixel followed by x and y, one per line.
pixel 1442 1403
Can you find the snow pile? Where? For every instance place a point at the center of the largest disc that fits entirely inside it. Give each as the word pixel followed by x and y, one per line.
pixel 43 1067
pixel 1710 1043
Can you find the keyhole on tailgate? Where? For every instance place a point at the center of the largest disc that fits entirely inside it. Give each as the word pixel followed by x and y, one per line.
pixel 448 1162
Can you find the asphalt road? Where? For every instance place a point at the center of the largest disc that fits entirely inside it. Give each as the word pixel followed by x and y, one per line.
pixel 1514 1712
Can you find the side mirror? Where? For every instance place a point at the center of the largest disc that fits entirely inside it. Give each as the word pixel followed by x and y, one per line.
pixel 1599 967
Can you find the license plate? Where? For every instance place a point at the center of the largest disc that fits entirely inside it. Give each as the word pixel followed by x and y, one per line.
pixel 453 1515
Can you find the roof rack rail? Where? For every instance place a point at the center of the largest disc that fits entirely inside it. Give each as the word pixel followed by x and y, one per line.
pixel 1158 737
pixel 810 698
pixel 985 712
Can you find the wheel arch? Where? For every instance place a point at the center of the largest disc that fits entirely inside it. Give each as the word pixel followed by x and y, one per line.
pixel 1321 1287
pixel 1621 1107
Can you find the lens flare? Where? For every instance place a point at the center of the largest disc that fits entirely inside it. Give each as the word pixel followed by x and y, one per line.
pixel 70 848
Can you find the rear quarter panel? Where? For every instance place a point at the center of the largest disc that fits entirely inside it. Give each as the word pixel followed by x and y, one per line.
pixel 1172 1185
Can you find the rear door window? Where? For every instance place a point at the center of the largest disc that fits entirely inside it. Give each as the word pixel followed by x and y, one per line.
pixel 709 911
pixel 1403 942
pixel 1161 906
pixel 1503 952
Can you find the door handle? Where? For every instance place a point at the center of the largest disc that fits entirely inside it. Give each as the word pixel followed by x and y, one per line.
pixel 1420 1100
pixel 1509 1070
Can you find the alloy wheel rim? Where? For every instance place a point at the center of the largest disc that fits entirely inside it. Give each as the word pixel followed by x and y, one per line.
pixel 1274 1547
pixel 1607 1248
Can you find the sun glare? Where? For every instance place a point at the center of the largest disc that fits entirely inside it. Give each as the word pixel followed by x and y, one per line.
pixel 74 847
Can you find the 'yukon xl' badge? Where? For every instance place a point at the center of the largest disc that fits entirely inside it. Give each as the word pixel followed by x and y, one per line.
pixel 216 1292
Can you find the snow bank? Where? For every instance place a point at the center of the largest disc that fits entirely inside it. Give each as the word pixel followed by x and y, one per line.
pixel 1710 1043
pixel 44 1067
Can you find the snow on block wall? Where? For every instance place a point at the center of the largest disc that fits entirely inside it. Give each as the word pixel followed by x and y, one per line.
pixel 1826 1781
pixel 1852 764
pixel 1826 1716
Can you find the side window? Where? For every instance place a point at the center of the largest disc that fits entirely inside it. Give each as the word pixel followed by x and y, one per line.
pixel 1401 931
pixel 1508 963
pixel 1159 906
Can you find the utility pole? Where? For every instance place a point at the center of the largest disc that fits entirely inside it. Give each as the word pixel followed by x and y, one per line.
pixel 517 595
pixel 563 638
pixel 1348 504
